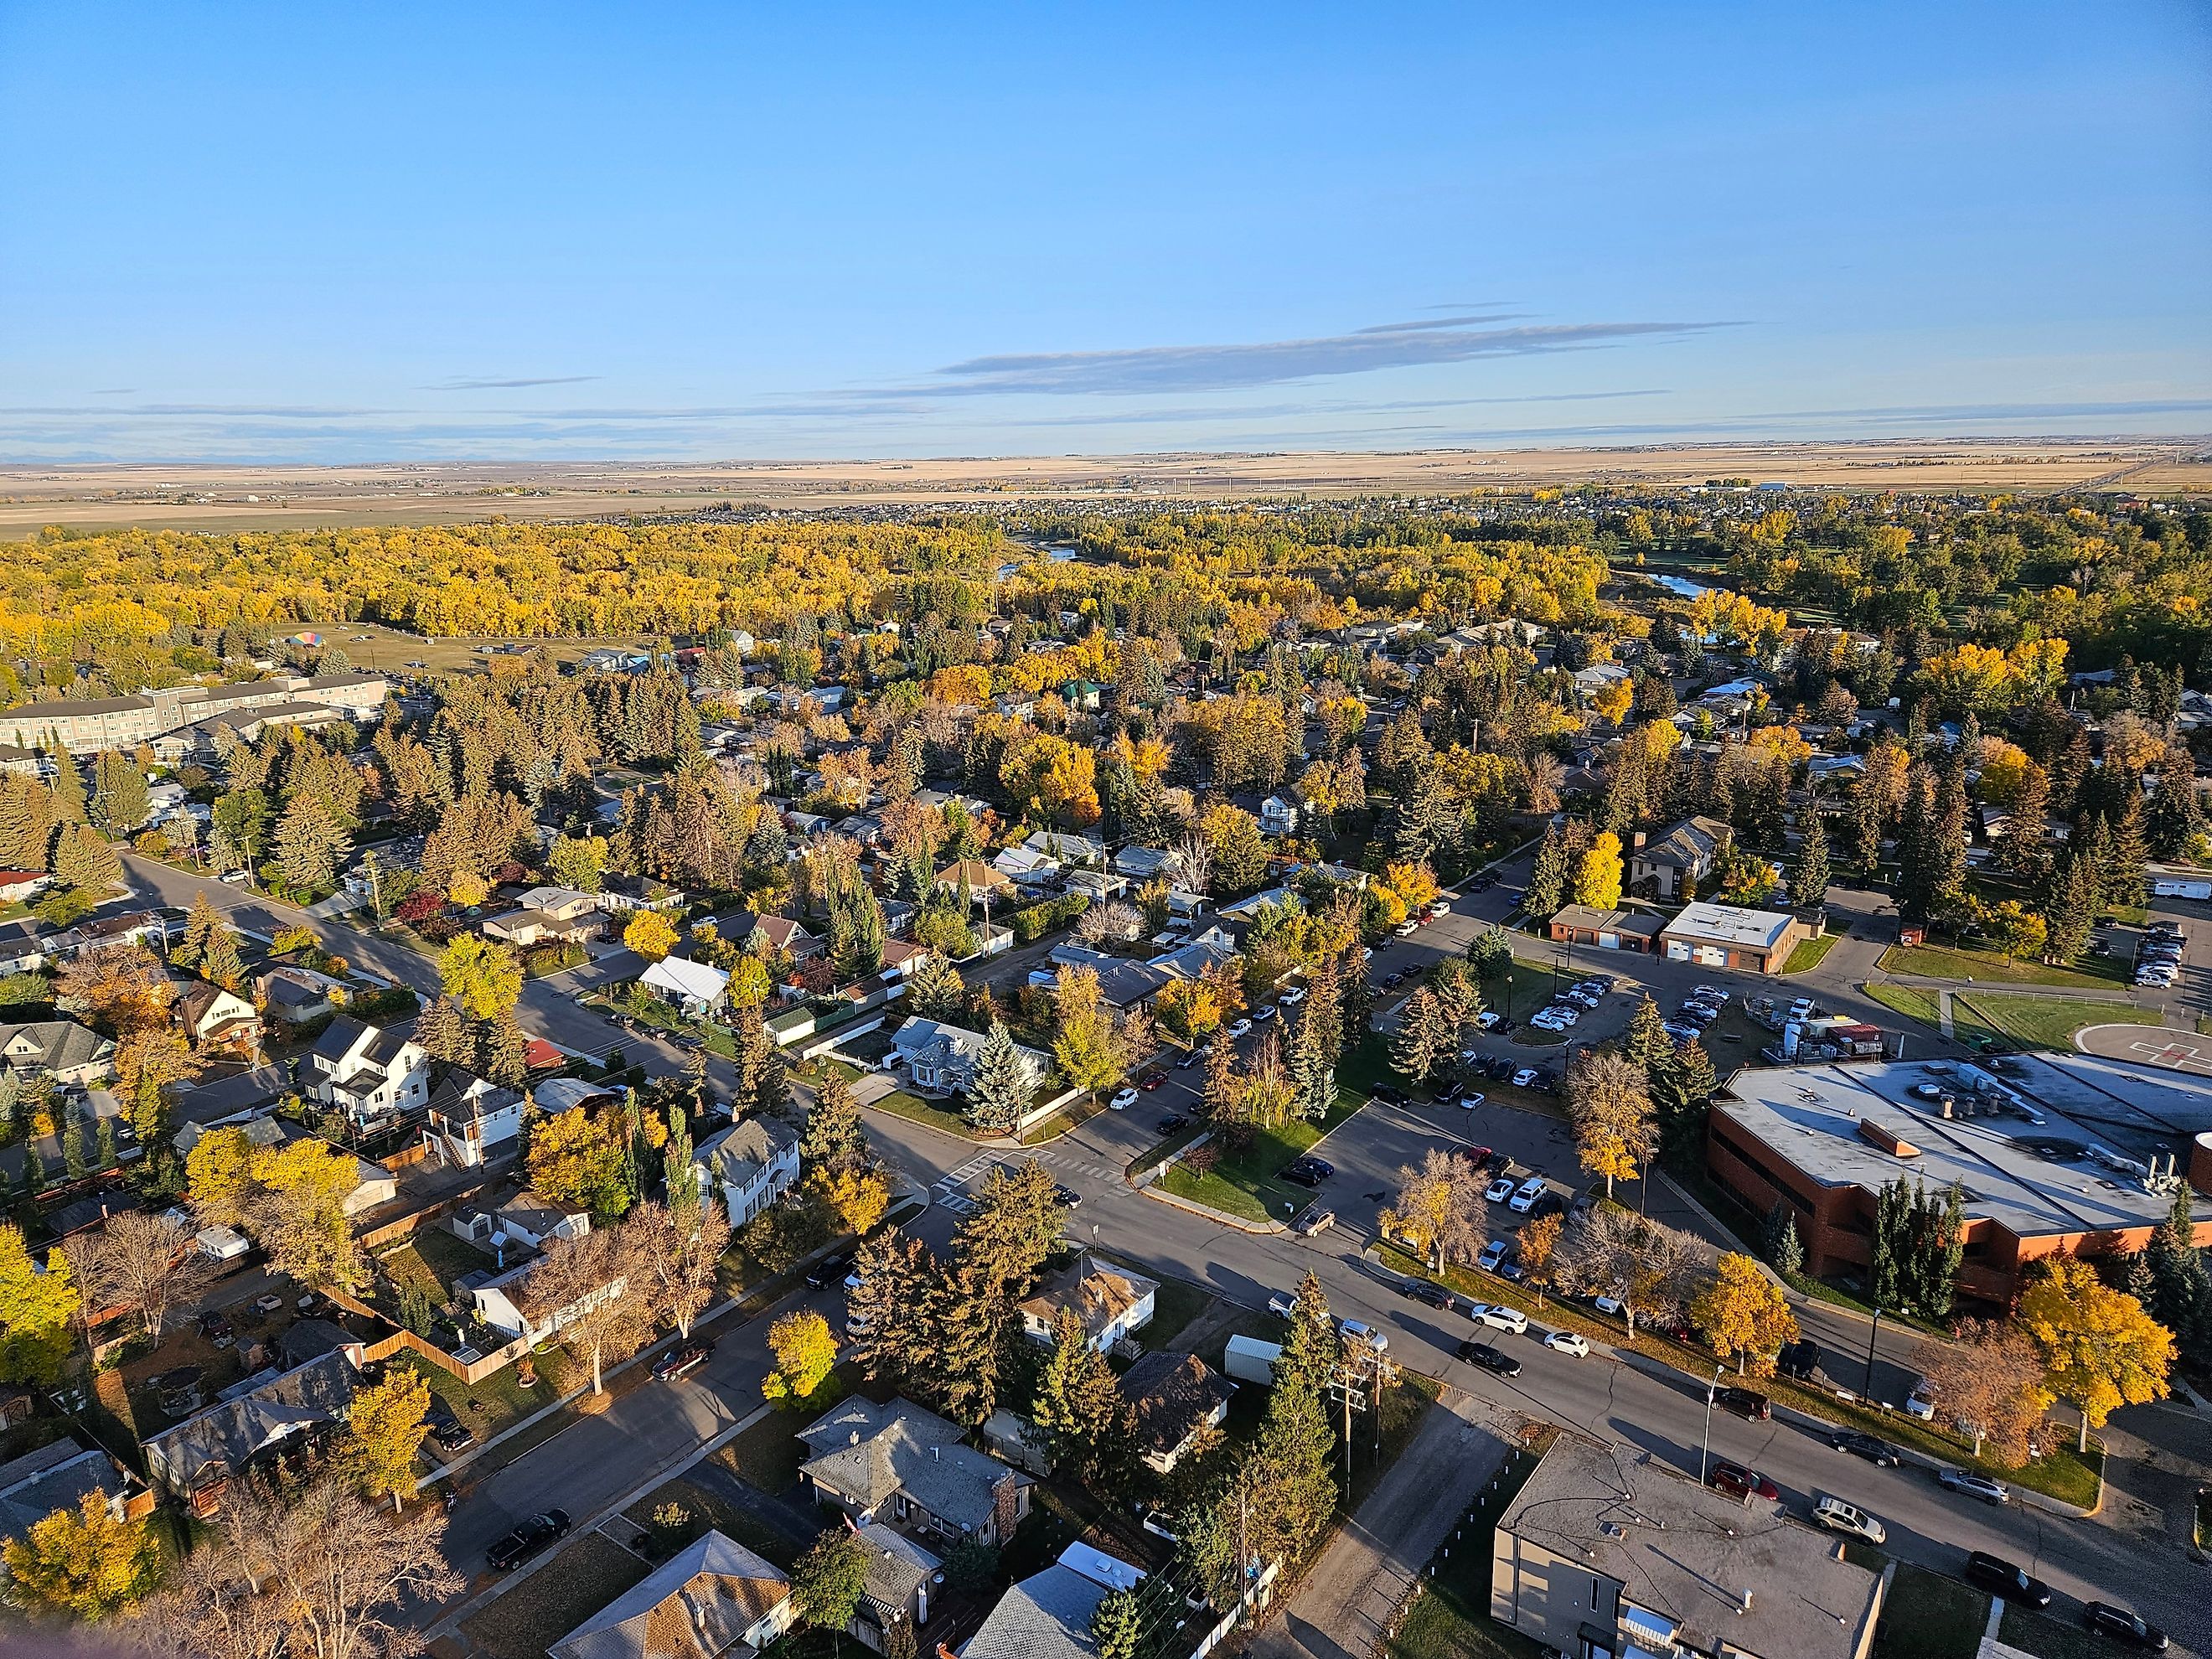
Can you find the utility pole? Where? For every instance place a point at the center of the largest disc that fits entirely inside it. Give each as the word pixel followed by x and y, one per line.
pixel 1706 1449
pixel 1872 1333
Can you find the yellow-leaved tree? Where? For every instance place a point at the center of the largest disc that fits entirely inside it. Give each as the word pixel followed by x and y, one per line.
pixel 384 1432
pixel 806 1352
pixel 1597 881
pixel 651 934
pixel 1743 1315
pixel 2100 1350
pixel 82 1562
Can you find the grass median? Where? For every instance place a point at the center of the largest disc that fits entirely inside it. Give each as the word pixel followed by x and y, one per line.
pixel 2070 1477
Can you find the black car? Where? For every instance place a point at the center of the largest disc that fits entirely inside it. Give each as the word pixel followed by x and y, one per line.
pixel 2001 1578
pixel 1173 1123
pixel 1800 1359
pixel 1068 1198
pixel 1863 1444
pixel 682 1360
pixel 1308 1171
pixel 1388 1095
pixel 527 1539
pixel 1747 1403
pixel 1549 1204
pixel 449 1433
pixel 2123 1626
pixel 830 1270
pixel 1482 1354
pixel 1435 1294
pixel 1499 1069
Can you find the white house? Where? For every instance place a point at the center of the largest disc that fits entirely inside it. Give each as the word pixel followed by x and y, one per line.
pixel 1109 1302
pixel 513 1305
pixel 754 1164
pixel 523 1222
pixel 369 1073
pixel 1278 817
pixel 694 987
pixel 470 1120
pixel 941 1059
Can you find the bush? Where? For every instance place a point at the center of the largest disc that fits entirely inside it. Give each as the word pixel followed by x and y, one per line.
pixel 1033 923
pixel 393 1002
pixel 541 960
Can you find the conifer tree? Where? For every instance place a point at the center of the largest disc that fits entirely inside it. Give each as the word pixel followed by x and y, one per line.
pixel 68 785
pixel 1547 878
pixel 1808 881
pixel 1000 1092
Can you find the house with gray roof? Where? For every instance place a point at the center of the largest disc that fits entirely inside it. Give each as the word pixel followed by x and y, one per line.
pixel 59 1049
pixel 58 1476
pixel 1048 1615
pixel 370 1073
pixel 940 1058
pixel 900 1573
pixel 1175 1398
pixel 714 1600
pixel 1678 857
pixel 904 1465
pixel 753 1162
pixel 267 1413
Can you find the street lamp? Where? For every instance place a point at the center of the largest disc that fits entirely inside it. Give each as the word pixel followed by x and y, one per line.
pixel 1705 1450
pixel 1867 1391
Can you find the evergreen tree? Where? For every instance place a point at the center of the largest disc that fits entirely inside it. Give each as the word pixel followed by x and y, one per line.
pixel 505 1050
pixel 2174 823
pixel 2123 882
pixel 1789 1251
pixel 104 1154
pixel 311 843
pixel 121 801
pixel 1947 838
pixel 220 964
pixel 83 858
pixel 772 1094
pixel 1808 881
pixel 833 1139
pixel 73 1154
pixel 1547 878
pixel 445 1035
pixel 1001 1093
pixel 935 990
pixel 972 1313
pixel 676 1174
pixel 1356 997
pixel 2023 849
pixel 68 785
pixel 1646 1042
pixel 1864 848
pixel 202 923
pixel 1420 1040
pixel 2070 911
pixel 1078 1410
pixel 1313 1076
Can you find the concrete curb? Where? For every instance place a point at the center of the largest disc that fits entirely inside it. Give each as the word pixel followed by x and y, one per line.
pixel 1207 1211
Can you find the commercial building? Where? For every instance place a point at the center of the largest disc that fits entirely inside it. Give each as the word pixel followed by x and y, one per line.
pixel 1606 1552
pixel 1826 1139
pixel 88 724
pixel 1606 930
pixel 1723 936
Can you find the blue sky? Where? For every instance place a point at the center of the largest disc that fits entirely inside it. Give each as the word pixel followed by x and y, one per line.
pixel 313 232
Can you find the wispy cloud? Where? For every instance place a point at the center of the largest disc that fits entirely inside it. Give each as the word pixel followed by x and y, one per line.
pixel 1459 338
pixel 509 384
pixel 113 391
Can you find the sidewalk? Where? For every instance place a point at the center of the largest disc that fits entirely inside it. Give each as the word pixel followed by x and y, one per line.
pixel 1344 1606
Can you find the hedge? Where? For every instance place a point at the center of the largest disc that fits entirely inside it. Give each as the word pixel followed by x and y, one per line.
pixel 1034 923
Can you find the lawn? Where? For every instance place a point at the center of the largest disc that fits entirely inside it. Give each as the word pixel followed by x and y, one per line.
pixel 2039 1022
pixel 703 1510
pixel 1909 1001
pixel 768 1454
pixel 914 1110
pixel 2047 1639
pixel 498 1401
pixel 1524 989
pixel 1176 1304
pixel 539 1611
pixel 1928 1616
pixel 1244 1184
pixel 1958 963
pixel 1809 952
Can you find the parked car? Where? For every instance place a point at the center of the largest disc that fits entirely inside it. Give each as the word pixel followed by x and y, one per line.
pixel 1975 1486
pixel 1493 1254
pixel 1406 929
pixel 1291 998
pixel 1264 1011
pixel 828 1270
pixel 1308 1171
pixel 1475 1154
pixel 1525 1078
pixel 1282 1304
pixel 1500 1190
pixel 1836 1515
pixel 1799 1359
pixel 1860 1444
pixel 1173 1123
pixel 1420 1290
pixel 1499 1318
pixel 1569 1342
pixel 1315 1221
pixel 2008 1579
pixel 1123 1099
pixel 1741 1483
pixel 447 1431
pixel 1358 1330
pixel 1242 1028
pixel 2123 1625
pixel 682 1360
pixel 1388 1095
pixel 1482 1354
pixel 1488 1019
pixel 1525 1199
pixel 1471 1099
pixel 1747 1403
pixel 526 1540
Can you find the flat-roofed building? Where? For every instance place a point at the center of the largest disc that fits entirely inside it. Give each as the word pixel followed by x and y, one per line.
pixel 1725 936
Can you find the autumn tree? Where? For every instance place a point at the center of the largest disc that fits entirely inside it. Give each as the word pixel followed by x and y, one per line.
pixel 483 977
pixel 651 934
pixel 806 1353
pixel 679 1253
pixel 35 1310
pixel 577 1156
pixel 146 1263
pixel 1742 1315
pixel 1536 1246
pixel 828 1581
pixel 2100 1350
pixel 384 1433
pixel 81 1562
pixel 1642 1263
pixel 1598 877
pixel 1609 1100
pixel 1988 1380
pixel 298 1214
pixel 1438 1213
pixel 590 1291
pixel 1088 1049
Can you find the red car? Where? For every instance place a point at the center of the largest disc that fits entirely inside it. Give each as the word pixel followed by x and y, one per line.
pixel 1741 1483
pixel 1151 1079
pixel 1475 1154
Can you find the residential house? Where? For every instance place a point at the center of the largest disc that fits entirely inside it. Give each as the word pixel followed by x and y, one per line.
pixel 1599 1554
pixel 941 1059
pixel 60 1475
pixel 900 1574
pixel 1068 846
pixel 1175 1398
pixel 370 1073
pixel 1279 816
pixel 785 935
pixel 254 1419
pixel 471 1122
pixel 23 946
pixel 1032 871
pixel 294 996
pixel 1048 1615
pixel 228 1100
pixel 217 1021
pixel 985 884
pixel 712 1599
pixel 753 1162
pixel 1678 859
pixel 523 1221
pixel 697 988
pixel 59 1049
pixel 1109 1302
pixel 21 886
pixel 905 1465
pixel 549 915
pixel 1141 864
pixel 518 1302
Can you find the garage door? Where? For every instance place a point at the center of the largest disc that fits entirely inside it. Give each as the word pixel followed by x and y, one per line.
pixel 1677 951
pixel 1711 956
pixel 1608 941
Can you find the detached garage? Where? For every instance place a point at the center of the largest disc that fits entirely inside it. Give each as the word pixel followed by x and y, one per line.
pixel 1723 936
pixel 1605 930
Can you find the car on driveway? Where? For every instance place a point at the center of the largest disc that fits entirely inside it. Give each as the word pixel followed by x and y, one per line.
pixel 1482 1354
pixel 526 1540
pixel 1860 1444
pixel 1264 1011
pixel 1975 1486
pixel 2008 1579
pixel 2124 1624
pixel 1836 1515
pixel 446 1430
pixel 1500 1190
pixel 1499 1318
pixel 1123 1099
pixel 1569 1342
pixel 682 1360
pixel 1747 1403
pixel 1740 1482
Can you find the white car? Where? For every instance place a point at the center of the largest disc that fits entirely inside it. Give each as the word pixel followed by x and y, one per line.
pixel 1123 1100
pixel 1406 929
pixel 1488 1019
pixel 1544 1022
pixel 1493 1254
pixel 1291 998
pixel 1565 1015
pixel 1242 1028
pixel 1499 1318
pixel 1525 1199
pixel 1801 1009
pixel 1498 1190
pixel 1836 1515
pixel 1282 1304
pixel 1569 1342
pixel 1440 908
pixel 1358 1330
pixel 1525 1077
pixel 1976 1486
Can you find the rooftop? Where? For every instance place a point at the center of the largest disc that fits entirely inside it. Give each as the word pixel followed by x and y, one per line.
pixel 1690 1555
pixel 1724 924
pixel 2014 1172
